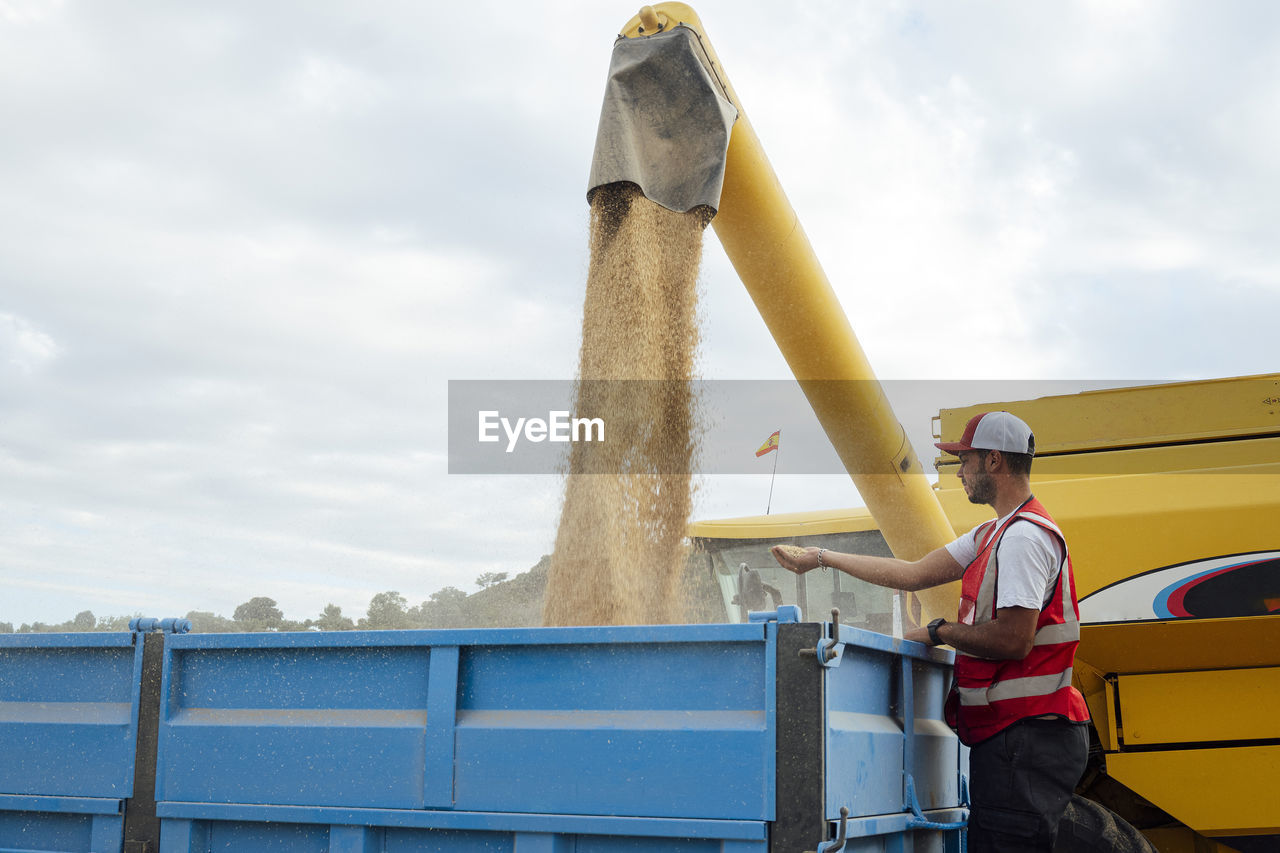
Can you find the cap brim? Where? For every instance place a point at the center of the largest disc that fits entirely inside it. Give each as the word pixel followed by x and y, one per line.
pixel 955 448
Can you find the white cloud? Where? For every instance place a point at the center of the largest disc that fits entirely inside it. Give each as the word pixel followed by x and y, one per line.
pixel 23 347
pixel 331 86
pixel 29 11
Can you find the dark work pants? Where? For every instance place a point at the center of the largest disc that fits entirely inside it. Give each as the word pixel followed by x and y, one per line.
pixel 1019 783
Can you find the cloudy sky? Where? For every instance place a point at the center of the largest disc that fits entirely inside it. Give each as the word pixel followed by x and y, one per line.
pixel 244 246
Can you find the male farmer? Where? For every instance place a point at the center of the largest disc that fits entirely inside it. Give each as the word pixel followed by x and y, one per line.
pixel 1015 639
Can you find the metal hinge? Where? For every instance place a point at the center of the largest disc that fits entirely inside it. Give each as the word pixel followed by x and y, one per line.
pixel 145 624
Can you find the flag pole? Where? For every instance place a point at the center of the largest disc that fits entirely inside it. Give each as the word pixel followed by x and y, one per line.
pixel 777 451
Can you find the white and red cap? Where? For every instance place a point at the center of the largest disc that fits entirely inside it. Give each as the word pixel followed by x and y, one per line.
pixel 993 431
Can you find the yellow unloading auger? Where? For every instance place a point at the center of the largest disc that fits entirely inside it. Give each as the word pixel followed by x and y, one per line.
pixel 668 124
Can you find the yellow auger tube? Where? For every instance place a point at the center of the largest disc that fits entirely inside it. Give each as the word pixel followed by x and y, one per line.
pixel 766 244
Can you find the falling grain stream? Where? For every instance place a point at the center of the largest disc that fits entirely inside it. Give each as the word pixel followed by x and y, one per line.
pixel 619 550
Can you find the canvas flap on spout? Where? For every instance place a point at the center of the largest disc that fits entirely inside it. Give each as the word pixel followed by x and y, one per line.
pixel 665 122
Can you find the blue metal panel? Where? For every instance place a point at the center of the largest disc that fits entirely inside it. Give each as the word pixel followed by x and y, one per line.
pixel 356 839
pixel 184 836
pixel 478 821
pixel 200 828
pixel 236 837
pixel 670 721
pixel 45 831
pixel 68 714
pixel 936 757
pixel 730 830
pixel 864 736
pixel 277 837
pixel 448 841
pixel 64 805
pixel 871 743
pixel 106 833
pixel 636 729
pixel 68 733
pixel 305 725
pixel 542 842
pixel 442 719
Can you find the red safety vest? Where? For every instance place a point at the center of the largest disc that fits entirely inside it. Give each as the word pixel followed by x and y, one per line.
pixel 990 695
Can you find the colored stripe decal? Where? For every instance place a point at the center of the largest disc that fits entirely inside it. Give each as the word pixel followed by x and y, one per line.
pixel 1169 602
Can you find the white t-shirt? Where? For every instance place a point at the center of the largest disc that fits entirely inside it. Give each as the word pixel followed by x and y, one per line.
pixel 1028 559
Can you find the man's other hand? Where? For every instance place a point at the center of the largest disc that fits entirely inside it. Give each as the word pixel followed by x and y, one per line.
pixel 919 635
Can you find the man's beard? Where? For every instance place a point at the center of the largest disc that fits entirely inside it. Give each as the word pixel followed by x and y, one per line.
pixel 982 488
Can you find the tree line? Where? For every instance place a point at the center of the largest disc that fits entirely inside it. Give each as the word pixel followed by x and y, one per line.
pixel 501 601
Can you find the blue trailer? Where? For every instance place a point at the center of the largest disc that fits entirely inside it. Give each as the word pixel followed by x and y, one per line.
pixel 770 736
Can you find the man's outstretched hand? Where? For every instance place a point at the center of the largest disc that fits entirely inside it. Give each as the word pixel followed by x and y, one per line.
pixel 793 558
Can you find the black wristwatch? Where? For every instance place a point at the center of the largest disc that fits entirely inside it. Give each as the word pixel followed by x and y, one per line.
pixel 933 630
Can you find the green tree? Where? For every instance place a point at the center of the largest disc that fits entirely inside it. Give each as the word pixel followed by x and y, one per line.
pixel 387 610
pixel 445 608
pixel 259 614
pixel 207 622
pixel 84 621
pixel 114 623
pixel 488 579
pixel 333 620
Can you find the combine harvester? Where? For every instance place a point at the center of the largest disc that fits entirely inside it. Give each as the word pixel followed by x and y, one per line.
pixel 1169 496
pixel 767 734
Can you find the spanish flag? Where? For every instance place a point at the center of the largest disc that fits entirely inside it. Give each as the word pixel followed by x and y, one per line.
pixel 770 444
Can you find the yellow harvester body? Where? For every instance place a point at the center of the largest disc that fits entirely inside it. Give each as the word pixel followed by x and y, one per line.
pixel 1169 496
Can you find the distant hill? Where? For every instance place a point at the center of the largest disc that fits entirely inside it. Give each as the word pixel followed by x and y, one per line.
pixel 517 602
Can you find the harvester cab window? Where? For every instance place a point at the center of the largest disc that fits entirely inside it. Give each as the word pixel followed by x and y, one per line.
pixel 748 579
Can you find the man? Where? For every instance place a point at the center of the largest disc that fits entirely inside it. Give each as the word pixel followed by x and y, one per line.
pixel 1015 639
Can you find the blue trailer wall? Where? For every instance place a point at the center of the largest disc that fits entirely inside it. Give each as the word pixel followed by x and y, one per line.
pixel 466 740
pixel 753 738
pixel 68 730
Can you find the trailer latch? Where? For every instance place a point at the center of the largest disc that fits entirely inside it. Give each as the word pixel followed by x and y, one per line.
pixel 786 613
pixel 830 651
pixel 838 842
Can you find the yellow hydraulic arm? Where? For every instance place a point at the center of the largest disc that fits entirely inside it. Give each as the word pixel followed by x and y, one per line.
pixel 763 238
